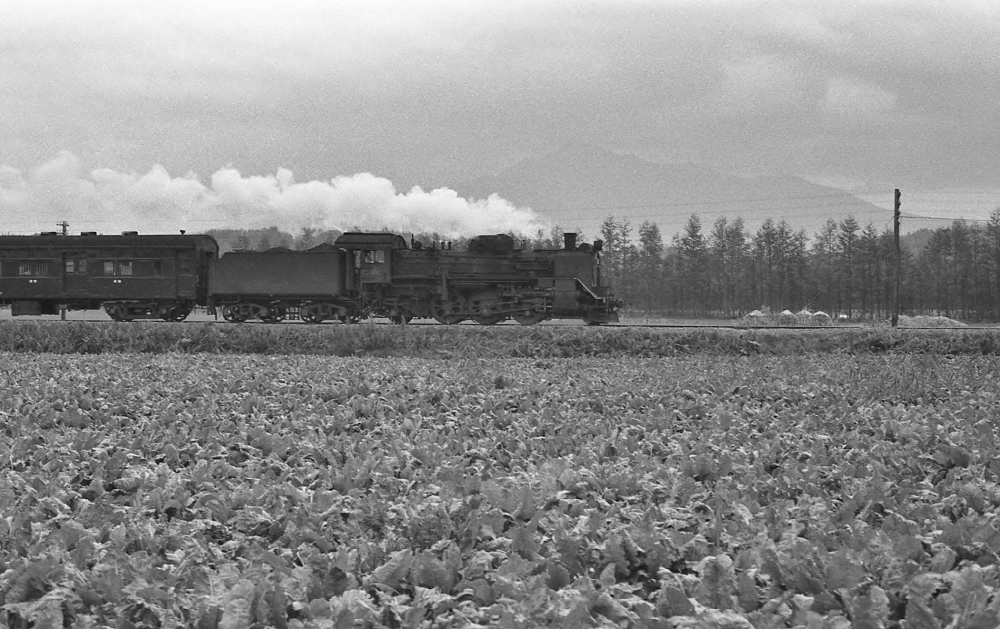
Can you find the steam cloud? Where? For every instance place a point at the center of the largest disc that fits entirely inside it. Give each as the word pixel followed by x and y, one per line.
pixel 109 201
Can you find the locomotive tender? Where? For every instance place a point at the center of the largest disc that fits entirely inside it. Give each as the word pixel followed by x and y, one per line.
pixel 359 276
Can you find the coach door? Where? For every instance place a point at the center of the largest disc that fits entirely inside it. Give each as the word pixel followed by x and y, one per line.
pixel 75 282
pixel 187 275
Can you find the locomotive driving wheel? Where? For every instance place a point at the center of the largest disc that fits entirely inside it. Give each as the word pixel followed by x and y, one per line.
pixel 451 319
pixel 529 317
pixel 448 312
pixel 488 319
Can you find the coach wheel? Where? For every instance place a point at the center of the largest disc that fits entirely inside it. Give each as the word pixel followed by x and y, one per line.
pixel 119 313
pixel 488 319
pixel 175 314
pixel 529 317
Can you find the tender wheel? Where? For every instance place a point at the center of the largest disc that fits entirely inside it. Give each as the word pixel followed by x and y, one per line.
pixel 311 316
pixel 231 315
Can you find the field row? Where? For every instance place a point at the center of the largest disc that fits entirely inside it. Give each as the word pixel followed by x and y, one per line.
pixel 436 341
pixel 296 491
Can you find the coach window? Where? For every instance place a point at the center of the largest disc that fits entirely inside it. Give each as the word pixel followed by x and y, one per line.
pixel 374 257
pixel 33 267
pixel 120 267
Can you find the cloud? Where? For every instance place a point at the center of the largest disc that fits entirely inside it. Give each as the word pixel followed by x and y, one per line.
pixel 107 200
pixel 439 91
pixel 856 99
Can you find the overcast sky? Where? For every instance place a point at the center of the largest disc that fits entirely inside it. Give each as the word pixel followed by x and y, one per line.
pixel 189 113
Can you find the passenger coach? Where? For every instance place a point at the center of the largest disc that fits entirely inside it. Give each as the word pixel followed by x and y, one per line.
pixel 130 276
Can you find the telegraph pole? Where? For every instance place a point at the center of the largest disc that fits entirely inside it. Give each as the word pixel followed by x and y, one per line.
pixel 65 227
pixel 895 235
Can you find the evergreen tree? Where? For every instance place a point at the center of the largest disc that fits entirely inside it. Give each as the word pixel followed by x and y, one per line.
pixel 847 241
pixel 650 266
pixel 692 271
pixel 992 240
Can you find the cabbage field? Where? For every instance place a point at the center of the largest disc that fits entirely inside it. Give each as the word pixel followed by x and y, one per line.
pixel 434 487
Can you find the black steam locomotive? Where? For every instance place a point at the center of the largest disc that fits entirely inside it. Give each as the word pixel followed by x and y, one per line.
pixel 361 275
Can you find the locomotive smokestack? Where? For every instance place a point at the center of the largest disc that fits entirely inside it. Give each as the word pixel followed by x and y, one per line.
pixel 569 239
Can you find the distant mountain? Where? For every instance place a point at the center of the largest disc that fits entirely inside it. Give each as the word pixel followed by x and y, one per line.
pixel 580 185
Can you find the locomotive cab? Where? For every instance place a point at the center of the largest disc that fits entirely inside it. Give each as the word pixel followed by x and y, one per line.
pixel 369 258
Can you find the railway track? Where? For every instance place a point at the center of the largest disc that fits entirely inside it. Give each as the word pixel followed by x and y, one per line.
pixel 100 318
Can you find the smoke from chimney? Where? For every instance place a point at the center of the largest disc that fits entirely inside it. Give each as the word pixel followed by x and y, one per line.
pixel 156 202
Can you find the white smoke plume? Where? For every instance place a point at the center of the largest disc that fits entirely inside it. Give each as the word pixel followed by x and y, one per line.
pixel 109 201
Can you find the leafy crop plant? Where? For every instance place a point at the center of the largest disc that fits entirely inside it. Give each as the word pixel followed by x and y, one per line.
pixel 221 490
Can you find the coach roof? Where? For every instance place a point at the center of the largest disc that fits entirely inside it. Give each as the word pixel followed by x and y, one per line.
pixel 129 239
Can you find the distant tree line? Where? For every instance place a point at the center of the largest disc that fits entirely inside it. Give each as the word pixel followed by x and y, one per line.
pixel 729 270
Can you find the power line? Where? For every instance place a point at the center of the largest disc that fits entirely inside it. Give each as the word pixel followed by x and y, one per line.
pixel 686 204
pixel 944 218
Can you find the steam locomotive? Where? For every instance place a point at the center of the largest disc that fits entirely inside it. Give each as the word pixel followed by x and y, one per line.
pixel 361 275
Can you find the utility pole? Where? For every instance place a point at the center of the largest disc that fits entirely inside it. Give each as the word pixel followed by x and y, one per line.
pixel 65 227
pixel 895 236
